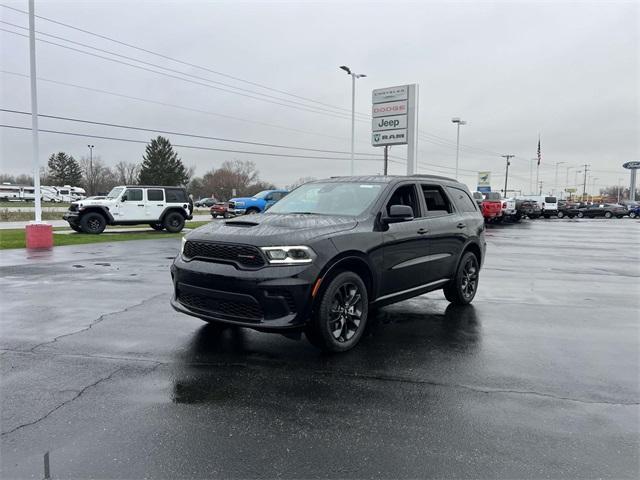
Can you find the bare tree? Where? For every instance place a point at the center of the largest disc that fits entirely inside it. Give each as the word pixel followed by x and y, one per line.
pixel 300 181
pixel 127 172
pixel 98 178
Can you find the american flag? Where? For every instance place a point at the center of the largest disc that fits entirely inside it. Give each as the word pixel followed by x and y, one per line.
pixel 539 153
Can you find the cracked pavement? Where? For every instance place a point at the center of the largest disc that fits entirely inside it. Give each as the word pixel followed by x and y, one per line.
pixel 539 378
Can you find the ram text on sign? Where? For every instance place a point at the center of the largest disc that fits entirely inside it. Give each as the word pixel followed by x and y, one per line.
pixel 388 123
pixel 389 137
pixel 390 94
pixel 388 109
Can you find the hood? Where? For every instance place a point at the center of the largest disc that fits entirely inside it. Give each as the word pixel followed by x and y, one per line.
pixel 273 229
pixel 86 203
pixel 243 199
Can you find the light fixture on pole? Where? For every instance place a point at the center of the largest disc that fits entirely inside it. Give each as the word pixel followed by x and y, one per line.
pixel 458 121
pixel 353 110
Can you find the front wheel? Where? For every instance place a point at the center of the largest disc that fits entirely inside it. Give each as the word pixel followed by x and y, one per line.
pixel 93 223
pixel 173 222
pixel 608 214
pixel 156 226
pixel 560 214
pixel 75 228
pixel 580 215
pixel 462 288
pixel 252 211
pixel 341 316
pixel 632 214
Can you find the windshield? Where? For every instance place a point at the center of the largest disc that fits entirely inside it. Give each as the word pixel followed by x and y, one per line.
pixel 115 193
pixel 550 199
pixel 262 194
pixel 329 198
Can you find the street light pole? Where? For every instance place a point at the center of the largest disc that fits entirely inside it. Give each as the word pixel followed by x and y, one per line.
pixel 459 122
pixel 353 111
pixel 91 167
pixel 506 174
pixel 35 144
pixel 555 185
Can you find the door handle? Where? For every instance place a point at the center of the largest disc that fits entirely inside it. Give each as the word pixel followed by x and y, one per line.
pixel 422 231
pixel 461 225
pixel 159 205
pixel 141 204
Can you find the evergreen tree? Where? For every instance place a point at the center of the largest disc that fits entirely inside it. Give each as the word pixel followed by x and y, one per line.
pixel 161 165
pixel 64 169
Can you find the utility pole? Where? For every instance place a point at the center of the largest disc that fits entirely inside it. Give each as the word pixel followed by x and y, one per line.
pixel 386 159
pixel 506 175
pixel 91 167
pixel 35 144
pixel 584 184
pixel 540 184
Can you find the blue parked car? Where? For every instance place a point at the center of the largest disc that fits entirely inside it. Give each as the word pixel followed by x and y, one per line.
pixel 256 204
pixel 634 212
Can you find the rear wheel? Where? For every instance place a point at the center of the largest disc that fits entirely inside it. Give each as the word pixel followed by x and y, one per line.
pixel 93 222
pixel 341 316
pixel 580 215
pixel 173 222
pixel 461 289
pixel 156 226
pixel 560 214
pixel 608 214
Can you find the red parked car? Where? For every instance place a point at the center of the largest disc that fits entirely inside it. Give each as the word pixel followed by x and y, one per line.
pixel 220 209
pixel 490 206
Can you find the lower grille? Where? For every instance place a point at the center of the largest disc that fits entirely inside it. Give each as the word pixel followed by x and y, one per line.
pixel 251 311
pixel 73 207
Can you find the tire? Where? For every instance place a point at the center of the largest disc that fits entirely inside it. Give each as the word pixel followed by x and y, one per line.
pixel 580 215
pixel 157 226
pixel 93 223
pixel 619 216
pixel 173 222
pixel 75 228
pixel 560 214
pixel 547 216
pixel 632 215
pixel 463 287
pixel 341 315
pixel 251 211
pixel 608 214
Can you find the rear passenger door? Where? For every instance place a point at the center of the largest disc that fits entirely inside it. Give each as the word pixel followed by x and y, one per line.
pixel 447 232
pixel 155 203
pixel 405 244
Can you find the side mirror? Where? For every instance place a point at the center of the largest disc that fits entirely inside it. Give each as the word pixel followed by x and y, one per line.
pixel 124 198
pixel 399 213
pixel 268 198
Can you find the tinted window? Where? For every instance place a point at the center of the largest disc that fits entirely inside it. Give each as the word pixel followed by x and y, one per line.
pixel 550 199
pixel 155 195
pixel 462 200
pixel 405 195
pixel 176 195
pixel 134 194
pixel 435 199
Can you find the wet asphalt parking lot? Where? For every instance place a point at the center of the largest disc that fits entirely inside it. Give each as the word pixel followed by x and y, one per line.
pixel 539 378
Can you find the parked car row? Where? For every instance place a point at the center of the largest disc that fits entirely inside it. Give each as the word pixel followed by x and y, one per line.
pixel 495 209
pixel 258 203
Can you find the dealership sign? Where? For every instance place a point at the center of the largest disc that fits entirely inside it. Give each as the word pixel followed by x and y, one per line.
pixel 631 165
pixel 484 179
pixel 394 115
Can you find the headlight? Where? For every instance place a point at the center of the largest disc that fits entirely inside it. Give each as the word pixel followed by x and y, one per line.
pixel 289 255
pixel 239 204
pixel 184 241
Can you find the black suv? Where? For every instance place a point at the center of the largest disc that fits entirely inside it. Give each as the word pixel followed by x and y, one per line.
pixel 324 255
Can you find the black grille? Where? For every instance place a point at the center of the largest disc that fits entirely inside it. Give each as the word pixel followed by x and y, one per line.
pixel 237 309
pixel 73 207
pixel 242 254
pixel 232 205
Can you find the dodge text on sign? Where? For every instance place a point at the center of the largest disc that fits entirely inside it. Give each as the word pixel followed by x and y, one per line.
pixel 390 108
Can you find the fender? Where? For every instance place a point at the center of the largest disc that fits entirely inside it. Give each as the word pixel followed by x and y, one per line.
pixel 100 209
pixel 181 210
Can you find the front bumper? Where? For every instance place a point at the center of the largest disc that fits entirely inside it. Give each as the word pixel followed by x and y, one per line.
pixel 71 217
pixel 274 298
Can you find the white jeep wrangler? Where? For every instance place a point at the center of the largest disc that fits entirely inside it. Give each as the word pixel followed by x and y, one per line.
pixel 160 207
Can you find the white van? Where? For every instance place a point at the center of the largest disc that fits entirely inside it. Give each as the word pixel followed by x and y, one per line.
pixel 548 204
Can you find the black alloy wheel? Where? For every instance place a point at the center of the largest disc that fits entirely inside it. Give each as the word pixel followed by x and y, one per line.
pixel 173 222
pixel 462 289
pixel 341 316
pixel 93 223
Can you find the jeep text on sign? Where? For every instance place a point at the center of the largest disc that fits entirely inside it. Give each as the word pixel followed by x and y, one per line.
pixel 388 123
pixel 390 94
pixel 390 108
pixel 389 137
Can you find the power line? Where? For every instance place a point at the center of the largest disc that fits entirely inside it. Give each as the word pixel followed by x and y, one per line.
pixel 181 134
pixel 306 109
pixel 195 147
pixel 166 57
pixel 181 107
pixel 109 52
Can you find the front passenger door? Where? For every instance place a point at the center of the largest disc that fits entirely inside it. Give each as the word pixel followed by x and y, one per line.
pixel 131 207
pixel 405 245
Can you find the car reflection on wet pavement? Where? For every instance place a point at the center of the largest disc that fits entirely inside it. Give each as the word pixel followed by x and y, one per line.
pixel 537 378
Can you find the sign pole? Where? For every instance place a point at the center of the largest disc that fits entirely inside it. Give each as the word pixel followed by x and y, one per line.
pixel 386 159
pixel 411 126
pixel 34 114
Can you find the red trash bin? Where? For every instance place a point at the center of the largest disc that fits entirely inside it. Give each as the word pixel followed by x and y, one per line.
pixel 39 235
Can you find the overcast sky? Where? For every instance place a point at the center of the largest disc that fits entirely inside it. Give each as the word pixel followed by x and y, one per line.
pixel 566 70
